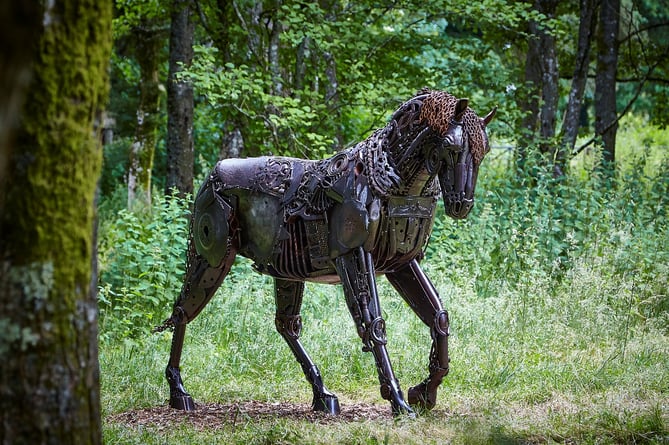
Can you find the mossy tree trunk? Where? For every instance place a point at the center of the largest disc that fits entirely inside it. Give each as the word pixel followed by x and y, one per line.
pixel 148 41
pixel 49 376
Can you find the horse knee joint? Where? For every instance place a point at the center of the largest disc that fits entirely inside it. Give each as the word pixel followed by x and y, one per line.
pixel 441 324
pixel 373 334
pixel 289 325
pixel 377 331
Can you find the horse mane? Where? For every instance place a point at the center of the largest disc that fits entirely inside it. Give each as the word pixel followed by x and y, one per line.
pixel 438 111
pixel 434 110
pixel 425 116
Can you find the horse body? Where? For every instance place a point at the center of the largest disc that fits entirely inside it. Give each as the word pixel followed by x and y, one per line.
pixel 294 229
pixel 368 210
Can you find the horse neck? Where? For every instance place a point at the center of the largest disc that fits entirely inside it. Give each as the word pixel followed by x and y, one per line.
pixel 416 180
pixel 409 158
pixel 389 170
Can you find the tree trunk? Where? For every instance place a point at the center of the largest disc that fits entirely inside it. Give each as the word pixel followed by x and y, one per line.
pixel 180 154
pixel 21 22
pixel 301 57
pixel 532 93
pixel 49 378
pixel 233 143
pixel 605 79
pixel 332 98
pixel 549 91
pixel 572 116
pixel 274 45
pixel 219 29
pixel 541 80
pixel 148 41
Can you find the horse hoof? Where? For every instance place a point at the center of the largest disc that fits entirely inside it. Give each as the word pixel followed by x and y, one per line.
pixel 419 396
pixel 403 409
pixel 328 404
pixel 183 403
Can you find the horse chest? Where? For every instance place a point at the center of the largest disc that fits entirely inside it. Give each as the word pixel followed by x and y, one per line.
pixel 404 226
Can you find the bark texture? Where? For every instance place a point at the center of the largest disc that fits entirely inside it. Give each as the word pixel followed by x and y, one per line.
pixel 572 115
pixel 19 26
pixel 541 79
pixel 49 379
pixel 606 124
pixel 332 97
pixel 147 46
pixel 532 94
pixel 550 90
pixel 180 151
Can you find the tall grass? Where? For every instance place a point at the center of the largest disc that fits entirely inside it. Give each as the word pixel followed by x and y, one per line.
pixel 559 309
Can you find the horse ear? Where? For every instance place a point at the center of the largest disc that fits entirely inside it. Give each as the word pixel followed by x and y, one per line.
pixel 460 108
pixel 486 120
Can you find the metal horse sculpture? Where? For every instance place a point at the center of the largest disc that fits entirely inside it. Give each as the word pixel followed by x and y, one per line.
pixel 365 211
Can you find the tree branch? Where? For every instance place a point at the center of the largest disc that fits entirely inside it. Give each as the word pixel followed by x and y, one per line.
pixel 664 80
pixel 643 29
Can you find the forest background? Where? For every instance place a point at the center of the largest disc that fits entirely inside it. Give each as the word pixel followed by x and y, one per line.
pixel 556 283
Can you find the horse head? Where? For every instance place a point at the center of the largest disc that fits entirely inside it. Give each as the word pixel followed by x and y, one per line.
pixel 451 139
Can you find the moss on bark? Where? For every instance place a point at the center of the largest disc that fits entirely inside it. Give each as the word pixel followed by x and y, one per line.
pixel 49 383
pixel 149 37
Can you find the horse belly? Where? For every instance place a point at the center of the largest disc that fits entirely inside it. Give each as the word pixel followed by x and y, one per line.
pixel 295 250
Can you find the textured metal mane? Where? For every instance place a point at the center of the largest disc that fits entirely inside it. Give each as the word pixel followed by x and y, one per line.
pixel 437 112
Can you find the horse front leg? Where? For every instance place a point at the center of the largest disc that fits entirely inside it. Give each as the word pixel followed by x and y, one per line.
pixel 356 271
pixel 419 292
pixel 288 295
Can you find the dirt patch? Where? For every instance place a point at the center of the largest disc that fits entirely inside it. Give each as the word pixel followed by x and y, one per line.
pixel 215 415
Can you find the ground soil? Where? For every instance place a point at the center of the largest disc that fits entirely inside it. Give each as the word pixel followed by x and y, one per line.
pixel 215 415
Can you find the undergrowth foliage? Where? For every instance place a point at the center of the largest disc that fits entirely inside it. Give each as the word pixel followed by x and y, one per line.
pixel 519 232
pixel 518 235
pixel 141 260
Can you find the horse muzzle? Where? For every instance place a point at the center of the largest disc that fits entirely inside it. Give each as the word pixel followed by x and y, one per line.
pixel 458 207
pixel 457 189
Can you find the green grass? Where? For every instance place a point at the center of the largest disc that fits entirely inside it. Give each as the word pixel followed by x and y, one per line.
pixel 559 306
pixel 570 362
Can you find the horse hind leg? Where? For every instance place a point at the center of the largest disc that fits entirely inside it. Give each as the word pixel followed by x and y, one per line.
pixel 288 295
pixel 199 288
pixel 211 253
pixel 417 290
